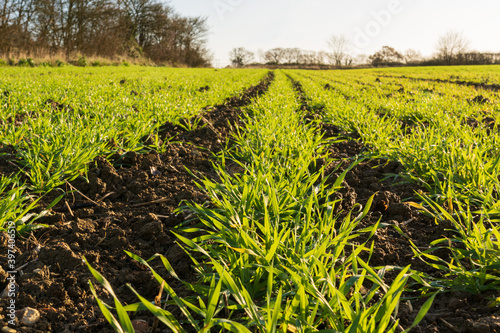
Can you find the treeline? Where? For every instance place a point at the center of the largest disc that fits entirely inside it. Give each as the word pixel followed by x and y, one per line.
pixel 240 57
pixel 385 57
pixel 452 48
pixel 102 28
pixel 466 58
pixel 295 56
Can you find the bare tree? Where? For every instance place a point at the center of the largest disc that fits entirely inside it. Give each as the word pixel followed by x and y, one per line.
pixel 275 55
pixel 348 60
pixel 321 57
pixel 192 33
pixel 411 56
pixel 386 56
pixel 451 47
pixel 14 20
pixel 240 56
pixel 361 59
pixel 340 48
pixel 49 27
pixel 308 57
pixel 107 28
pixel 292 55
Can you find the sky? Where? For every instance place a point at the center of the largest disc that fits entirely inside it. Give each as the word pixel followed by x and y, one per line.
pixel 260 25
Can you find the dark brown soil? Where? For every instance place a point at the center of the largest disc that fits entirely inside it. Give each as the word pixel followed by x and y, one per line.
pixel 488 122
pixel 390 203
pixel 479 99
pixel 128 205
pixel 56 106
pixel 17 120
pixel 7 166
pixel 135 212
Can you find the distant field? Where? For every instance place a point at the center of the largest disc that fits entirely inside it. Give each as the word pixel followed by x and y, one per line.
pixel 284 201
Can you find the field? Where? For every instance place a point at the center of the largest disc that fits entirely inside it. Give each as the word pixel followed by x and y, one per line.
pixel 204 200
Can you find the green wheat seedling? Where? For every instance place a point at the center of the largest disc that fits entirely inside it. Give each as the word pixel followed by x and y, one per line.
pixel 16 204
pixel 121 325
pixel 193 124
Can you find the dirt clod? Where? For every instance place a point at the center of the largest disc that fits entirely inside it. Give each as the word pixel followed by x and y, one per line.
pixel 59 255
pixel 480 99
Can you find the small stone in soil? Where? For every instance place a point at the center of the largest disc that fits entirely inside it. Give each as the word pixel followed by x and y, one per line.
pixel 30 316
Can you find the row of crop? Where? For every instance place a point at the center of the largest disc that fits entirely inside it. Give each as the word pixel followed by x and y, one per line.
pixel 269 251
pixel 58 120
pixel 459 166
pixel 470 96
pixel 474 74
pixel 415 100
pixel 411 87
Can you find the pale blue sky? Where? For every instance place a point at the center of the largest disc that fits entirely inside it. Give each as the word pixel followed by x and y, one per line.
pixel 370 24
